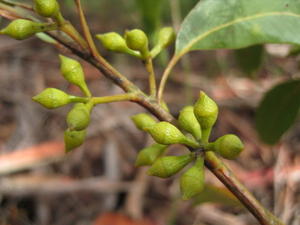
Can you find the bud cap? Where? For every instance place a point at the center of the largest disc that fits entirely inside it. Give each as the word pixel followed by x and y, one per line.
pixel 113 41
pixel 143 120
pixel 72 72
pixel 188 122
pixel 228 146
pixel 206 111
pixel 165 133
pixel 46 8
pixel 79 117
pixel 192 181
pixel 167 166
pixel 166 36
pixel 52 98
pixel 73 139
pixel 147 156
pixel 21 29
pixel 137 40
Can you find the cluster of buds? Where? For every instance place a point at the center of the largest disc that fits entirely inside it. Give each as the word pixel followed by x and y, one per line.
pixel 21 29
pixel 195 124
pixel 78 118
pixel 135 42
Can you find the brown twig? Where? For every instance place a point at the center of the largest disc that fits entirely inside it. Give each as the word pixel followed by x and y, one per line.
pixel 212 162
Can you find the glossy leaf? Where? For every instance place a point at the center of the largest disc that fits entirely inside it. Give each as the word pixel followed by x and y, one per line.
pixel 236 24
pixel 278 111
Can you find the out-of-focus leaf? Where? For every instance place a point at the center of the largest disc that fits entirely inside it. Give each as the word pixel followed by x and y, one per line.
pixel 249 59
pixel 278 111
pixel 216 194
pixel 151 12
pixel 295 50
pixel 237 24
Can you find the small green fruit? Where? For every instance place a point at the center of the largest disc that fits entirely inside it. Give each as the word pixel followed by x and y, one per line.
pixel 112 41
pixel 73 139
pixel 188 122
pixel 166 134
pixel 52 98
pixel 192 181
pixel 147 156
pixel 72 72
pixel 79 117
pixel 137 40
pixel 143 120
pixel 228 146
pixel 169 165
pixel 46 8
pixel 166 36
pixel 206 111
pixel 21 29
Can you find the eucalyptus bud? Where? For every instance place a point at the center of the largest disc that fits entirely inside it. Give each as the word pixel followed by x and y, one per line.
pixel 166 134
pixel 79 116
pixel 206 111
pixel 52 98
pixel 228 146
pixel 167 166
pixel 192 181
pixel 166 36
pixel 73 139
pixel 137 40
pixel 113 41
pixel 143 120
pixel 72 72
pixel 46 8
pixel 147 156
pixel 188 122
pixel 21 29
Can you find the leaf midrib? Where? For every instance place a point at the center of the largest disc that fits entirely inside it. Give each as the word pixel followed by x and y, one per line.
pixel 225 25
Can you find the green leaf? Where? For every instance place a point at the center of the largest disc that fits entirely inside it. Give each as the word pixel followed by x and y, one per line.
pixel 232 24
pixel 278 111
pixel 249 59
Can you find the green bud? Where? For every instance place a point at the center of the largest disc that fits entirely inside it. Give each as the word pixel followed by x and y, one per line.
pixel 147 156
pixel 52 98
pixel 79 117
pixel 166 134
pixel 46 8
pixel 73 139
pixel 192 181
pixel 188 122
pixel 113 41
pixel 169 165
pixel 228 146
pixel 21 29
pixel 143 120
pixel 206 111
pixel 72 72
pixel 137 40
pixel 166 36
